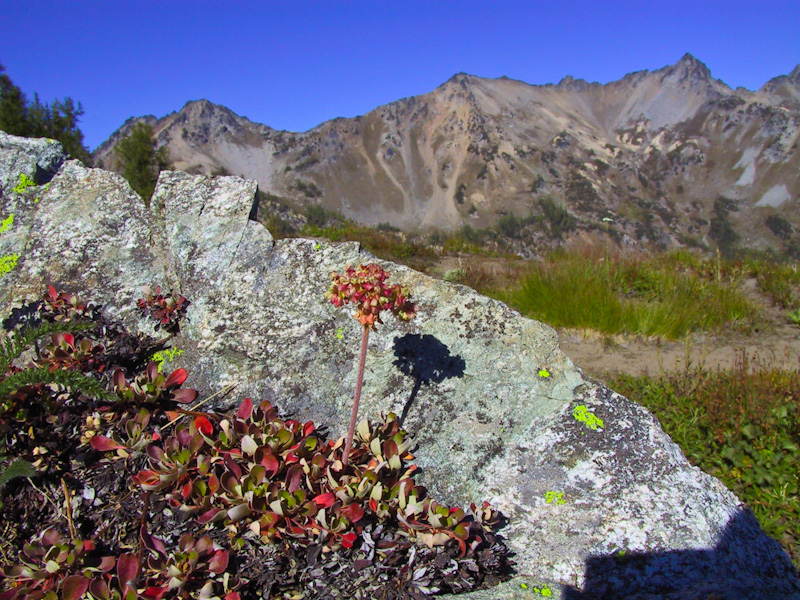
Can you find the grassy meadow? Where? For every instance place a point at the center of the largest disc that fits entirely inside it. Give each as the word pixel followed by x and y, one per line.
pixel 741 425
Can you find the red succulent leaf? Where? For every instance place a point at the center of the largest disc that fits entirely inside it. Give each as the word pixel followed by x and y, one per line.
pixel 184 396
pixel 203 425
pixel 308 428
pixel 219 562
pixel 187 542
pixel 118 379
pixel 209 515
pixel 246 409
pixel 325 500
pixel 104 444
pixel 106 564
pixel 229 482
pixel 155 592
pixel 353 512
pixel 177 377
pixel 151 542
pixel 293 477
pixel 74 587
pixel 232 596
pixel 99 589
pixel 50 537
pixel 152 370
pixel 348 539
pixel 127 568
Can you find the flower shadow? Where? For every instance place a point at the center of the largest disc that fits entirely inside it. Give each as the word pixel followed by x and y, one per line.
pixel 427 360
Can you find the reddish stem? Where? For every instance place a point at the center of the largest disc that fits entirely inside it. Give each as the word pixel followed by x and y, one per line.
pixel 359 379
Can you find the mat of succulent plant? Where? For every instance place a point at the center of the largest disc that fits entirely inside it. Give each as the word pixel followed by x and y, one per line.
pixel 112 486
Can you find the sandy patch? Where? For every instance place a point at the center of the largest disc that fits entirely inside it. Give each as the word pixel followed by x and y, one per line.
pixel 748 163
pixel 775 196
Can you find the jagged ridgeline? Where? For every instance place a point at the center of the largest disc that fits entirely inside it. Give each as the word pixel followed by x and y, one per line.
pixel 599 502
pixel 648 159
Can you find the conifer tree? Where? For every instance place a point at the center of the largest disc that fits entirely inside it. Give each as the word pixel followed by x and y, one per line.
pixel 13 118
pixel 141 161
pixel 58 121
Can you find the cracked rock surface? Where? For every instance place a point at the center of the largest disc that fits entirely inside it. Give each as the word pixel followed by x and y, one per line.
pixel 600 503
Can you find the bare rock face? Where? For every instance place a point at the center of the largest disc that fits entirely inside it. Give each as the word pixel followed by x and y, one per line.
pixel 600 503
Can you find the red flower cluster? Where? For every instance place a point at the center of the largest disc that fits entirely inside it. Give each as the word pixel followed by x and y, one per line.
pixel 365 288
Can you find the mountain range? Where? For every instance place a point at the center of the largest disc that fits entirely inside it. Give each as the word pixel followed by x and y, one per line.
pixel 666 157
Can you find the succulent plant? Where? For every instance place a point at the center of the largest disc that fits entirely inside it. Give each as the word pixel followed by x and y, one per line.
pixel 281 480
pixel 152 386
pixel 365 287
pixel 50 567
pixel 192 570
pixel 65 306
pixel 166 309
pixel 128 435
pixel 66 352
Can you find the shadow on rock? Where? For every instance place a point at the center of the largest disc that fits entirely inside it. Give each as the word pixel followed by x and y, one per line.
pixel 747 564
pixel 427 360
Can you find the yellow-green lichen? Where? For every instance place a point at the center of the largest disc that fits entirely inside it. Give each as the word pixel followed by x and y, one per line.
pixel 588 418
pixel 542 591
pixel 7 223
pixel 24 183
pixel 168 354
pixel 554 497
pixel 544 373
pixel 8 263
pixel 340 333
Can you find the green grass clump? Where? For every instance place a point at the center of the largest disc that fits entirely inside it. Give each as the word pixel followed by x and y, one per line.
pixel 383 243
pixel 668 296
pixel 779 281
pixel 742 426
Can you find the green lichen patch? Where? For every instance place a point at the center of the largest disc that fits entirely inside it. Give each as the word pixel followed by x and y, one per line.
pixel 542 591
pixel 7 223
pixel 588 418
pixel 552 497
pixel 24 183
pixel 8 263
pixel 544 373
pixel 168 354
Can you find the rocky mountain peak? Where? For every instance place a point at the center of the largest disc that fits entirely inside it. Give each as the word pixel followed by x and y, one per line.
pixel 570 84
pixel 689 70
pixel 794 75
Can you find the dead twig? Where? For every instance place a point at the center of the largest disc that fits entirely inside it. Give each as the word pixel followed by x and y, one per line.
pixel 222 392
pixel 68 506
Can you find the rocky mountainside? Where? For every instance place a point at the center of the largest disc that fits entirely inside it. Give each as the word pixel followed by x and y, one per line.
pixel 671 156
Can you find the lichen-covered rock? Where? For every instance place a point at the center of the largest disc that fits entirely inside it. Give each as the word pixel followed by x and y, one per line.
pixel 38 159
pixel 85 230
pixel 600 503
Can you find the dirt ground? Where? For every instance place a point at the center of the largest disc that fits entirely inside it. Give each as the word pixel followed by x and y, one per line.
pixel 773 342
pixel 777 345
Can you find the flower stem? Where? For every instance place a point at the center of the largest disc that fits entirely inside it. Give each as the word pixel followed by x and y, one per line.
pixel 359 379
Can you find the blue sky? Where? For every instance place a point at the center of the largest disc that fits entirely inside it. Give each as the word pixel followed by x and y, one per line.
pixel 294 64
